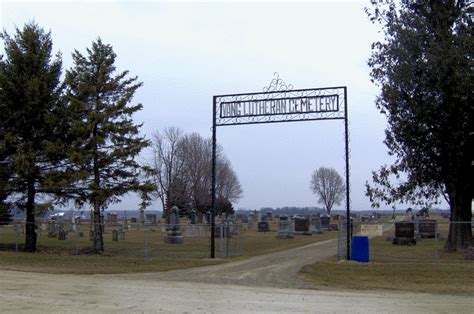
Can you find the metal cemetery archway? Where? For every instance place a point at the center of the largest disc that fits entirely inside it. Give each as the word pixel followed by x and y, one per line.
pixel 280 103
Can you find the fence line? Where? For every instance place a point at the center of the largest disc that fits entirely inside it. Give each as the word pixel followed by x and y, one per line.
pixel 404 241
pixel 125 238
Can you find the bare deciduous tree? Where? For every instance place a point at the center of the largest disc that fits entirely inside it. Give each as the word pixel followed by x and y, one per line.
pixel 167 167
pixel 328 185
pixel 196 153
pixel 181 169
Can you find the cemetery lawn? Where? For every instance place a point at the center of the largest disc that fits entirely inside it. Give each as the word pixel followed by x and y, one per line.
pixel 429 277
pixel 93 264
pixel 128 256
pixel 398 267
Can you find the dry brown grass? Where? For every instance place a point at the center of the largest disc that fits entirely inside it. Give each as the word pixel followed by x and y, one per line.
pixel 128 256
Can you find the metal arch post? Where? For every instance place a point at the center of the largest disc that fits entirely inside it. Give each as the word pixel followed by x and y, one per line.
pixel 284 92
pixel 213 187
pixel 348 210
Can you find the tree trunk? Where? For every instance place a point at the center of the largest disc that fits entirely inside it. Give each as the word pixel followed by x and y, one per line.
pixel 30 236
pixel 98 219
pixel 98 230
pixel 460 230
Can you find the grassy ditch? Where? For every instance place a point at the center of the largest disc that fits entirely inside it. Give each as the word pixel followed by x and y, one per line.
pixel 438 278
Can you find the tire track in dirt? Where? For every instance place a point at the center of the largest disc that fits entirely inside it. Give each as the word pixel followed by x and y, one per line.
pixel 278 269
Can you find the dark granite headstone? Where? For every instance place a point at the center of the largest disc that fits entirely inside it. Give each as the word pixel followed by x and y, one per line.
pixel 404 233
pixel 302 226
pixel 325 220
pixel 62 234
pixel 333 227
pixel 263 226
pixel 427 228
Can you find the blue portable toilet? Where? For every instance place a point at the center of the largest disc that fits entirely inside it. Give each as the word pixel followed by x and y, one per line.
pixel 360 249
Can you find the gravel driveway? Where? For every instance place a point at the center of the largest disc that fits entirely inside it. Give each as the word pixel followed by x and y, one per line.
pixel 259 284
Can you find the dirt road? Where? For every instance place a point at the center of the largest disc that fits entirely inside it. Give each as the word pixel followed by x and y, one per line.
pixel 253 285
pixel 272 270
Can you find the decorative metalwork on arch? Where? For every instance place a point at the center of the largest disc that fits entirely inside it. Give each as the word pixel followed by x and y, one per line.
pixel 277 84
pixel 280 106
pixel 279 102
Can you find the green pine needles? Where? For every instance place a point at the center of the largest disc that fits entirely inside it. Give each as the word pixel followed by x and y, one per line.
pixel 65 141
pixel 106 140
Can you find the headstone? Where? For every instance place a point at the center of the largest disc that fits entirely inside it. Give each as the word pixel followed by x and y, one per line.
pixel 151 219
pixel 72 227
pixel 194 231
pixel 62 234
pixel 269 215
pixel 173 231
pixel 427 228
pixel 18 229
pixel 372 230
pixel 252 217
pixel 315 226
pixel 259 217
pixel 285 228
pixel 193 217
pixel 231 225
pixel 404 233
pixel 250 224
pixel 302 226
pixel 115 235
pixel 325 221
pixel 125 224
pixel 141 218
pixel 133 220
pixel 333 227
pixel 113 217
pixel 121 234
pixel 52 229
pixel 204 218
pixel 263 226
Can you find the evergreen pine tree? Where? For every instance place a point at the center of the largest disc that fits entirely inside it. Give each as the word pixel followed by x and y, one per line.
pixel 31 147
pixel 106 138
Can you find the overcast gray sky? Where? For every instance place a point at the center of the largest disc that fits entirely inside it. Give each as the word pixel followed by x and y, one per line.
pixel 186 52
